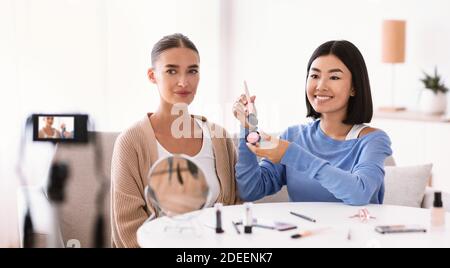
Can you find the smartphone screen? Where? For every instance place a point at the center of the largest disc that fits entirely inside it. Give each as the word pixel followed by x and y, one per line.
pixel 65 128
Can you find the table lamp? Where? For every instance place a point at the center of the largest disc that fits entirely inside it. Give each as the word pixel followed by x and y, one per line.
pixel 393 52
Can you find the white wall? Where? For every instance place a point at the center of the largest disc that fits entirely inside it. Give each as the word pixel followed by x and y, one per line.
pixel 132 29
pixel 92 56
pixel 88 56
pixel 273 41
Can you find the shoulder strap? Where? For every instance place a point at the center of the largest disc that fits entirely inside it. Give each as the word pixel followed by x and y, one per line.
pixel 355 131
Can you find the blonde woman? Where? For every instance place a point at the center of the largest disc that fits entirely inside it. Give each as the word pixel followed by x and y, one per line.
pixel 48 131
pixel 176 73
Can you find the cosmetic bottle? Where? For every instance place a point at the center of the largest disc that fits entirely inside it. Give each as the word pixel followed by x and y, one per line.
pixel 248 218
pixel 437 213
pixel 218 208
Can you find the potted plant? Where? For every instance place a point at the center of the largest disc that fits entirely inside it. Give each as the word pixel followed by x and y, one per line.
pixel 433 99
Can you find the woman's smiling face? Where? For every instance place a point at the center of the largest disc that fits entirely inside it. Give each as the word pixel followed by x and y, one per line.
pixel 329 85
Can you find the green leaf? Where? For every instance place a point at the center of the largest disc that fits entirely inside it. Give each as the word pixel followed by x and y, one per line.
pixel 434 82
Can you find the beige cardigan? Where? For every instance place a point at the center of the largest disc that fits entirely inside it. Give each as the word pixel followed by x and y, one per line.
pixel 135 151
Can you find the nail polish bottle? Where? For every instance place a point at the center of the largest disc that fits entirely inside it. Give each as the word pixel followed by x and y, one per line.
pixel 218 208
pixel 248 223
pixel 437 213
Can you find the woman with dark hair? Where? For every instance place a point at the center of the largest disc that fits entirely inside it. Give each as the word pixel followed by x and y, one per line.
pixel 336 158
pixel 171 129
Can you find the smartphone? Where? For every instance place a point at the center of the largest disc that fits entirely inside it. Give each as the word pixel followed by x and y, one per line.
pixel 388 229
pixel 283 226
pixel 70 128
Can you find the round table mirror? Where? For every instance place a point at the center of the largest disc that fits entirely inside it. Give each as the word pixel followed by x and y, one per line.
pixel 176 186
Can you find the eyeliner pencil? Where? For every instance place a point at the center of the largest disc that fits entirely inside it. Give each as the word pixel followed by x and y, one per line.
pixel 303 217
pixel 236 227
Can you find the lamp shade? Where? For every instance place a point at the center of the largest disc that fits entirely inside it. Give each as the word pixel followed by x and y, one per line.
pixel 393 41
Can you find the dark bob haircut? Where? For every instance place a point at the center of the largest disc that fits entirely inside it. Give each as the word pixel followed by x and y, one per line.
pixel 360 107
pixel 171 41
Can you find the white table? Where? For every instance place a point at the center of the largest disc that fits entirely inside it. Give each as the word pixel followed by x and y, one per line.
pixel 334 217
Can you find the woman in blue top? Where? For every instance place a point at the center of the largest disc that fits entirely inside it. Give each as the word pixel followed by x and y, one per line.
pixel 336 158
